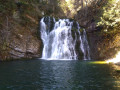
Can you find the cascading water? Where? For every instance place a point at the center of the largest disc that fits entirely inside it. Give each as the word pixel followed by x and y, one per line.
pixel 62 39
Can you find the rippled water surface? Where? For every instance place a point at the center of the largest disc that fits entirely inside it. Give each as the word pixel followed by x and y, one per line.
pixel 57 75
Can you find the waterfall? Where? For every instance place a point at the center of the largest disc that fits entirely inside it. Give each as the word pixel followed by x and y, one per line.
pixel 62 39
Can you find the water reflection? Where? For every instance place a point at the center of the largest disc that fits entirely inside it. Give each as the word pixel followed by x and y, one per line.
pixel 81 75
pixel 58 75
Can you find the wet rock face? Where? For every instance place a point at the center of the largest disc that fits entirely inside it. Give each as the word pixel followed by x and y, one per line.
pixel 26 46
pixel 21 43
pixel 103 46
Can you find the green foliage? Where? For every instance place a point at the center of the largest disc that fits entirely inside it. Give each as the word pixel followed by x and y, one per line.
pixel 81 29
pixel 111 15
pixel 7 6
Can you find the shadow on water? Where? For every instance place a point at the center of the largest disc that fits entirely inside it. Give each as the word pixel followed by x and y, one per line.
pixel 57 75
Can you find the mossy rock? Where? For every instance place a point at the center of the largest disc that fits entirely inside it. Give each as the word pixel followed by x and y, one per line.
pixel 118 71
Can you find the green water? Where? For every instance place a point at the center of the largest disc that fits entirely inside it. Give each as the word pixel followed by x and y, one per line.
pixel 57 75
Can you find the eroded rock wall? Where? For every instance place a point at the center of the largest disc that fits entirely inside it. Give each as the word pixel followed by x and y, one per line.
pixel 103 46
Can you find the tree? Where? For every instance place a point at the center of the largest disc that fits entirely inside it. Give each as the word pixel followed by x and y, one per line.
pixel 111 15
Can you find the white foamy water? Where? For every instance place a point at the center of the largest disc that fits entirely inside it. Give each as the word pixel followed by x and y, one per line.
pixel 60 42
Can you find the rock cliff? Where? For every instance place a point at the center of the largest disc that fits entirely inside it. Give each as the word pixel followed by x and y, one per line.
pixel 19 25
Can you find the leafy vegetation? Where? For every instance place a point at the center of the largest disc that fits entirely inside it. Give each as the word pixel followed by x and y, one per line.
pixel 110 19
